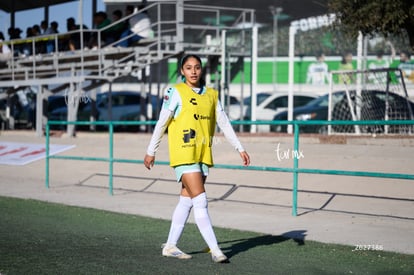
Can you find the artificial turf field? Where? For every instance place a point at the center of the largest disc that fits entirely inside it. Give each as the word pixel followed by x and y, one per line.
pixel 44 238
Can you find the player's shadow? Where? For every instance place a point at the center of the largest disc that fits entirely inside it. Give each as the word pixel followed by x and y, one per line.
pixel 242 245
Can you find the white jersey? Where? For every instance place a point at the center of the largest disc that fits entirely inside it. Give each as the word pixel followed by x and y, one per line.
pixel 140 25
pixel 317 73
pixel 378 77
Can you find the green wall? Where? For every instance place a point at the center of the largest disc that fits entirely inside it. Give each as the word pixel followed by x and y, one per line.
pixel 265 69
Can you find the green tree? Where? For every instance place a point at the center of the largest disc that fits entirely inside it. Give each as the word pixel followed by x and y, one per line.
pixel 371 17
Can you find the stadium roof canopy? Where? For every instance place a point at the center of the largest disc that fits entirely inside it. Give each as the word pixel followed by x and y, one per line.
pixel 292 9
pixel 297 9
pixel 10 6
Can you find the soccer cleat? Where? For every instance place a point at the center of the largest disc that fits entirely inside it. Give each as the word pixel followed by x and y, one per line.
pixel 219 257
pixel 173 252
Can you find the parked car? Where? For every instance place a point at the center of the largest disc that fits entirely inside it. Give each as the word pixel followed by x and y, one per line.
pixel 229 102
pixel 268 105
pixel 22 104
pixel 55 102
pixel 235 109
pixel 126 105
pixel 372 108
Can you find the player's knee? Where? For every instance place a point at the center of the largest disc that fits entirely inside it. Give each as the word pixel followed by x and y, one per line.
pixel 186 202
pixel 200 201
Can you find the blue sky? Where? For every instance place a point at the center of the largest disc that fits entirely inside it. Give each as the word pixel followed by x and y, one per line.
pixel 58 13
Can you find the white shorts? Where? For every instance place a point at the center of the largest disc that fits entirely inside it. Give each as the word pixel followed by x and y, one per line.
pixel 190 168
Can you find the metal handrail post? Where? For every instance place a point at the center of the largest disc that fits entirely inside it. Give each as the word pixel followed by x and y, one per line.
pixel 111 157
pixel 47 155
pixel 295 170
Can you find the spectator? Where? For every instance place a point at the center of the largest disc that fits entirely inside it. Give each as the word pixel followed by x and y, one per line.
pixel 346 65
pixel 28 47
pixel 318 71
pixel 36 30
pixel 54 26
pixel 10 32
pixel 118 29
pixel 52 29
pixel 43 44
pixel 50 44
pixel 43 27
pixel 39 45
pixel 5 52
pixel 139 27
pixel 381 63
pixel 74 39
pixel 14 33
pixel 406 67
pixel 100 21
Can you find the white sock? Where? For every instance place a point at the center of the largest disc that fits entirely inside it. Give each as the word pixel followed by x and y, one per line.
pixel 203 222
pixel 179 218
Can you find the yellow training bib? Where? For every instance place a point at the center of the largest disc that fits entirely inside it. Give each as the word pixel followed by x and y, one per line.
pixel 191 132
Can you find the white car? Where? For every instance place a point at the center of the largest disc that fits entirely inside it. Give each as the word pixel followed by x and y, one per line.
pixel 235 107
pixel 268 105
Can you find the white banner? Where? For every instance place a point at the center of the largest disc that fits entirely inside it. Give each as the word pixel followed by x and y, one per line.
pixel 13 153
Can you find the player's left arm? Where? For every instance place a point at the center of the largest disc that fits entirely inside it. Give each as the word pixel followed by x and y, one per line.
pixel 224 123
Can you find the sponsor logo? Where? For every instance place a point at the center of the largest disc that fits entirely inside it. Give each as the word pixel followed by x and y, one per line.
pixel 201 117
pixel 188 134
pixel 193 101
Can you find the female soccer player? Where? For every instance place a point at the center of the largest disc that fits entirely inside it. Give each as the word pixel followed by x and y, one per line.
pixel 190 112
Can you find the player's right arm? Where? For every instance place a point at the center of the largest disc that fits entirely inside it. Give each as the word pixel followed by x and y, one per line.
pixel 170 103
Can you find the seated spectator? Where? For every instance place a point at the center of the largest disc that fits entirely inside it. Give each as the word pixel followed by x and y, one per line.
pixel 38 44
pixel 43 26
pixel 14 33
pixel 50 44
pixel 140 27
pixel 74 39
pixel 100 21
pixel 117 30
pixel 28 47
pixel 42 44
pixel 36 30
pixel 54 26
pixel 11 33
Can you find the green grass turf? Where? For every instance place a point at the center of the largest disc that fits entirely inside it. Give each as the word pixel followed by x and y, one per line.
pixel 44 238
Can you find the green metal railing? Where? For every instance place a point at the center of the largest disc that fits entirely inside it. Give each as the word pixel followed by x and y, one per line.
pixel 295 170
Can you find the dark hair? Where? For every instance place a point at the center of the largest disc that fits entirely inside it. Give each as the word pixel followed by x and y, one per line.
pixel 380 53
pixel 184 60
pixel 319 54
pixel 36 28
pixel 188 56
pixel 344 55
pixel 117 13
pixel 407 53
pixel 54 24
pixel 130 8
pixel 103 14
